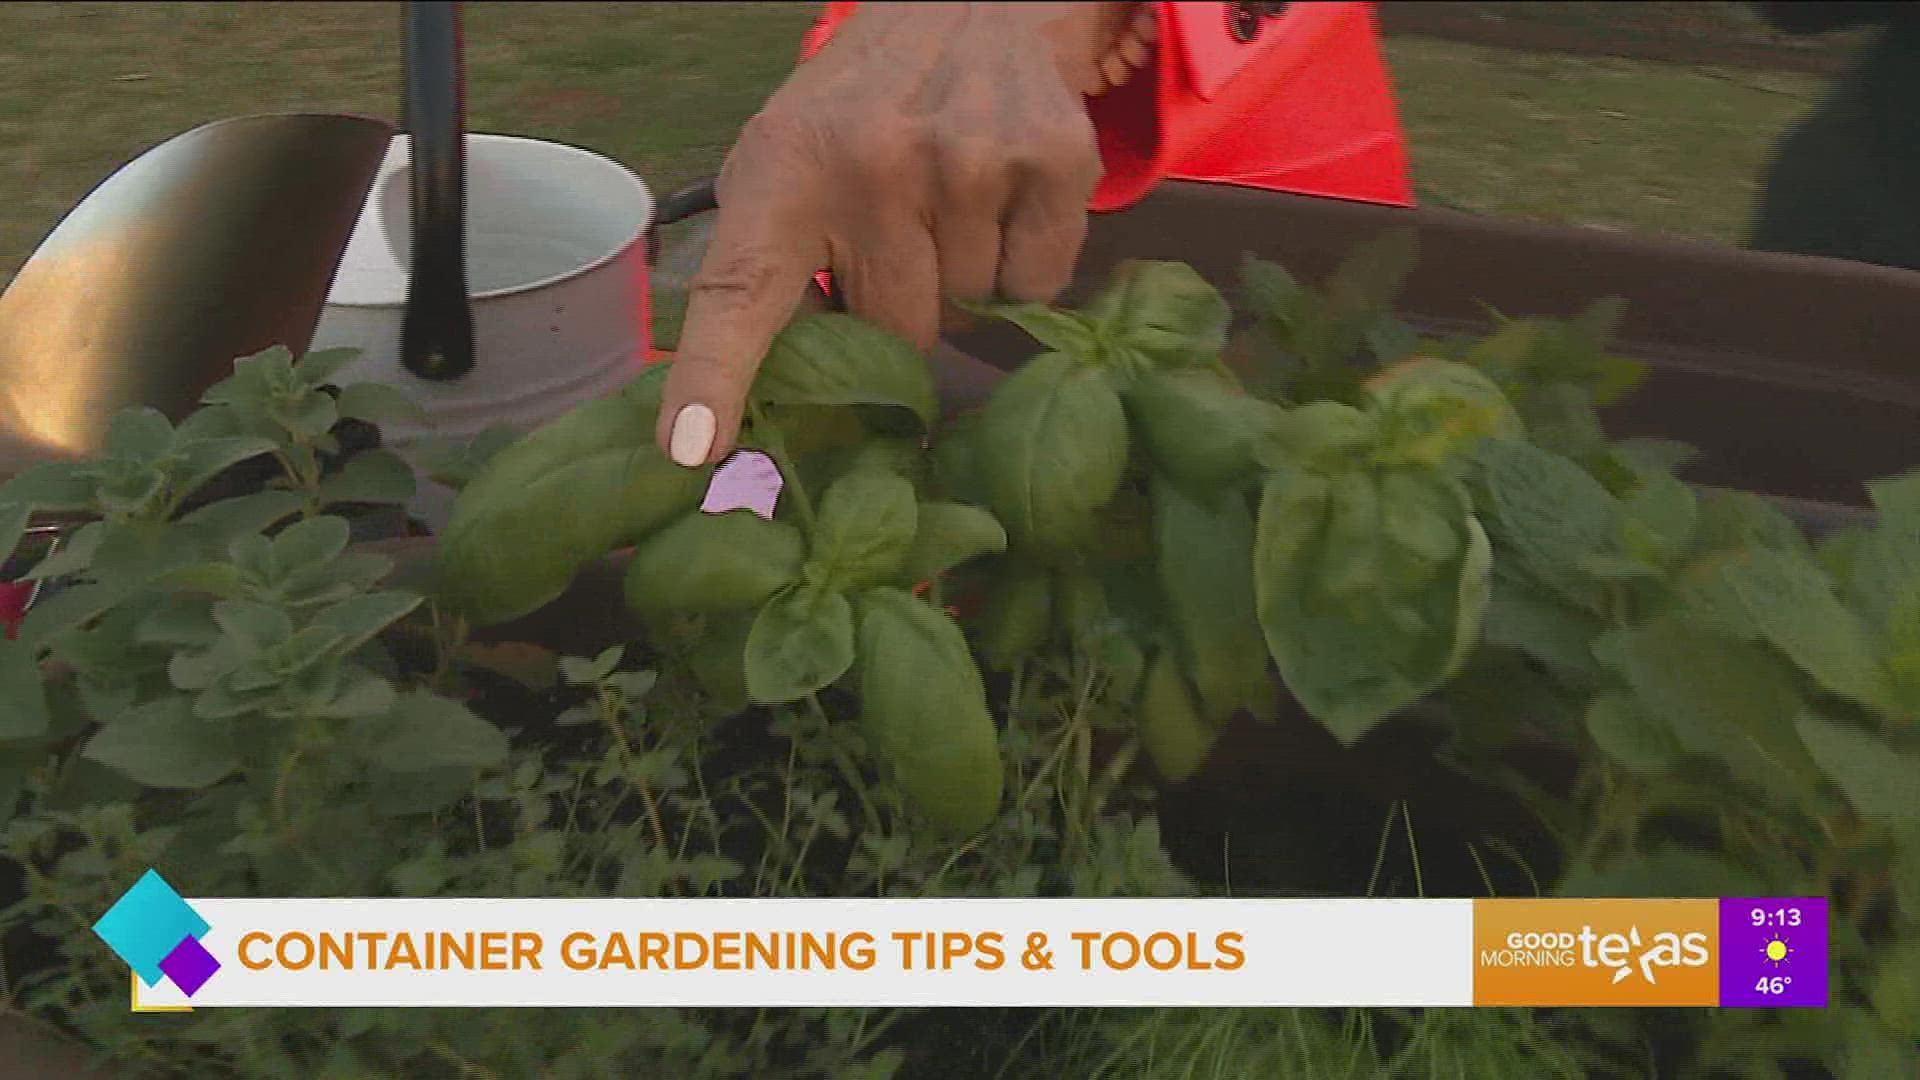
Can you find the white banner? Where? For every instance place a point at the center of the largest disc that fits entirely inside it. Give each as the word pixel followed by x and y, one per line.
pixel 778 953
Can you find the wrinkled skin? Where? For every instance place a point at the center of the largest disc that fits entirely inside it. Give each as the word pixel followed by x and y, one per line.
pixel 931 152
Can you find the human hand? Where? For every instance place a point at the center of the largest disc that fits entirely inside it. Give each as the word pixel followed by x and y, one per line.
pixel 931 152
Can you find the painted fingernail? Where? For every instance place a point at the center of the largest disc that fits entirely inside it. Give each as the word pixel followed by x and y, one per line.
pixel 692 436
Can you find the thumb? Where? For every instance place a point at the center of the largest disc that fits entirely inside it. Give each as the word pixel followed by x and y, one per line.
pixel 748 286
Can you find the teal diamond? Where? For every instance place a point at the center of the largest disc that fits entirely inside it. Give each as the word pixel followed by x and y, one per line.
pixel 147 923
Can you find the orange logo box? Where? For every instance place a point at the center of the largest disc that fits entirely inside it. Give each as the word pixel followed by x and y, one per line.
pixel 1638 953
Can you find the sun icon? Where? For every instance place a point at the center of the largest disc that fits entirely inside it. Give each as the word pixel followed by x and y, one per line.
pixel 1776 951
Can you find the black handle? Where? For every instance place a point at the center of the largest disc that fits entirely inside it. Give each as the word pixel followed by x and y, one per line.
pixel 436 331
pixel 696 200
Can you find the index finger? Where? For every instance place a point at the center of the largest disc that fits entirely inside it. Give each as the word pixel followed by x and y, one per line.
pixel 761 260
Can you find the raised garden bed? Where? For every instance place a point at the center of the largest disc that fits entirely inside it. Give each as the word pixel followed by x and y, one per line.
pixel 1560 668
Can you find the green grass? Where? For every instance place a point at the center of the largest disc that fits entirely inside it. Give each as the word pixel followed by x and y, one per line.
pixel 663 88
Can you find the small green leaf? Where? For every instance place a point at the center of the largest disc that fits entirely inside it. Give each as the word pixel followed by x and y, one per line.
pixel 357 619
pixel 713 562
pixel 55 486
pixel 203 459
pixel 1546 510
pixel 925 710
pixel 864 529
pixel 252 625
pixel 1791 603
pixel 1876 778
pixel 1723 699
pixel 363 698
pixel 1172 731
pixel 425 732
pixel 13 525
pixel 318 367
pixel 139 434
pixel 1659 520
pixel 219 524
pixel 1060 331
pixel 831 358
pixel 371 476
pixel 801 642
pixel 313 542
pixel 25 714
pixel 1052 450
pixel 582 671
pixel 1017 613
pixel 161 744
pixel 379 404
pixel 1626 733
pixel 948 534
pixel 73 556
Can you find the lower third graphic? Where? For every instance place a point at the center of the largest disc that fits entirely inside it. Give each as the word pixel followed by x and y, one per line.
pixel 158 934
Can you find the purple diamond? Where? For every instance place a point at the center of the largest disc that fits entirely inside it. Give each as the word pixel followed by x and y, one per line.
pixel 190 965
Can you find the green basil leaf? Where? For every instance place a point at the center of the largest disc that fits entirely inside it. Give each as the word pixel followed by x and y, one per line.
pixel 801 642
pixel 1199 430
pixel 1433 410
pixel 1164 310
pixel 1174 734
pixel 924 708
pixel 1358 629
pixel 318 367
pixel 718 660
pixel 1205 556
pixel 863 530
pixel 949 534
pixel 161 744
pixel 1052 448
pixel 1060 331
pixel 831 358
pixel 550 503
pixel 1877 779
pixel 713 562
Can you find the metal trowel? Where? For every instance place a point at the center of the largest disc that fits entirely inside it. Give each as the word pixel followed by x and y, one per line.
pixel 213 245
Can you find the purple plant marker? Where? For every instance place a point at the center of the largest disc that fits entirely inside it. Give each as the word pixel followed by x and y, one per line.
pixel 1773 953
pixel 748 480
pixel 190 965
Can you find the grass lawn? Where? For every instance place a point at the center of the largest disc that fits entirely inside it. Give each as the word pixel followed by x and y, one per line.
pixel 663 87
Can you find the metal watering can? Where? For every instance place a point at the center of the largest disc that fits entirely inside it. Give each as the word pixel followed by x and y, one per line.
pixel 494 280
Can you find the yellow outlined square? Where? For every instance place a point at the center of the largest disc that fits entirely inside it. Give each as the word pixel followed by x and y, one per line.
pixel 139 1008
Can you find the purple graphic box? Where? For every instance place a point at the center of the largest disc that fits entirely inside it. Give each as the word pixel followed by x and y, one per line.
pixel 1773 952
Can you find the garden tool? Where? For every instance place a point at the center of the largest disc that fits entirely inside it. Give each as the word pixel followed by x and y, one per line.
pixel 215 244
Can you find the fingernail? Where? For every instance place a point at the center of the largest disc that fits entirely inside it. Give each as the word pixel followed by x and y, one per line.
pixel 692 436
